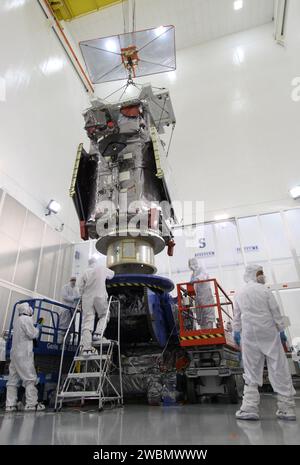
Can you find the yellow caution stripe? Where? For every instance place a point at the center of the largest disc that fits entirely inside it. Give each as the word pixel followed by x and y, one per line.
pixel 201 336
pixel 151 286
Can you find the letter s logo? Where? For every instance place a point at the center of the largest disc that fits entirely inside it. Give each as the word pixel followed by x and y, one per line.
pixel 202 243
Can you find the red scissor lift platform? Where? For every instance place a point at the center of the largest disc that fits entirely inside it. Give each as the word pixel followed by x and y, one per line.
pixel 215 367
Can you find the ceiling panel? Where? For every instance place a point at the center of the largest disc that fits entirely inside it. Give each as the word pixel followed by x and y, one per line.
pixel 196 21
pixel 70 9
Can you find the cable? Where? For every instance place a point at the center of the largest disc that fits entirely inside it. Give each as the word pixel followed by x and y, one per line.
pixel 163 109
pixel 170 68
pixel 146 45
pixel 171 136
pixel 133 16
pixel 102 49
pixel 123 11
pixel 96 80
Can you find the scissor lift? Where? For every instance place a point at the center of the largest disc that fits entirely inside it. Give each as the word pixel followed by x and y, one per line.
pixel 47 347
pixel 214 367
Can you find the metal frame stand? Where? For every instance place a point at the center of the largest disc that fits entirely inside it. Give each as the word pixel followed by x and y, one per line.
pixel 95 369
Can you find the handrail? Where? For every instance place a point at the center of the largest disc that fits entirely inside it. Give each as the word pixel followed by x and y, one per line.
pixel 186 311
pixel 63 350
pixel 101 345
pixel 100 386
pixel 37 306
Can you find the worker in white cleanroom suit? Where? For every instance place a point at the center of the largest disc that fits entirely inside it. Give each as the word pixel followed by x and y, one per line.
pixel 21 366
pixel 204 296
pixel 259 326
pixel 69 296
pixel 92 287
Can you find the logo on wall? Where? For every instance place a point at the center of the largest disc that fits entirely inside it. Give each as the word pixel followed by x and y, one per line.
pixel 202 245
pixel 211 253
pixel 248 248
pixel 205 254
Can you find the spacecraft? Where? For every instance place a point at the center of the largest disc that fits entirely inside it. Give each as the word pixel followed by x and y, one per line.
pixel 121 188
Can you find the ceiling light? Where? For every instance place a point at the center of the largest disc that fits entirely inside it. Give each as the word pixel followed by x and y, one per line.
pixel 52 207
pixel 238 4
pixel 222 216
pixel 295 192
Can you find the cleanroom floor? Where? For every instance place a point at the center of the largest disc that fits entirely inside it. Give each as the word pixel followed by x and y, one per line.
pixel 204 423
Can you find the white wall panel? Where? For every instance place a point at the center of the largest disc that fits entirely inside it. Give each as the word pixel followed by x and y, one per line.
pixel 49 264
pixel 290 299
pixel 293 221
pixel 196 21
pixel 4 296
pixel 11 226
pixel 30 246
pixel 41 118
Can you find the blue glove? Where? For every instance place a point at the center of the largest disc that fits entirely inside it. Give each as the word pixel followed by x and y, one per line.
pixel 283 336
pixel 237 338
pixel 39 327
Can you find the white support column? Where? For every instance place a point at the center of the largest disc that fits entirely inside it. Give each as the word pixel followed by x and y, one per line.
pixel 19 247
pixel 279 20
pixel 2 201
pixel 217 249
pixel 57 268
pixel 40 258
pixel 290 242
pixel 240 240
pixel 6 310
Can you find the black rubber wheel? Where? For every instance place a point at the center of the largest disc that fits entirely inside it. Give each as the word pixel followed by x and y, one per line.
pixel 231 389
pixel 239 380
pixel 51 399
pixel 191 390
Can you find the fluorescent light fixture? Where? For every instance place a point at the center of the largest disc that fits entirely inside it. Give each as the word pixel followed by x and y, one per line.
pixel 222 216
pixel 111 45
pixel 295 192
pixel 159 30
pixel 53 207
pixel 238 4
pixel 52 65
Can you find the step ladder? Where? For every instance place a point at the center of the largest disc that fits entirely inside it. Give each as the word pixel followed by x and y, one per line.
pixel 90 377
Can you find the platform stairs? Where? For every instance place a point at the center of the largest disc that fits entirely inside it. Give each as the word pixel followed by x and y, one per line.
pixel 90 376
